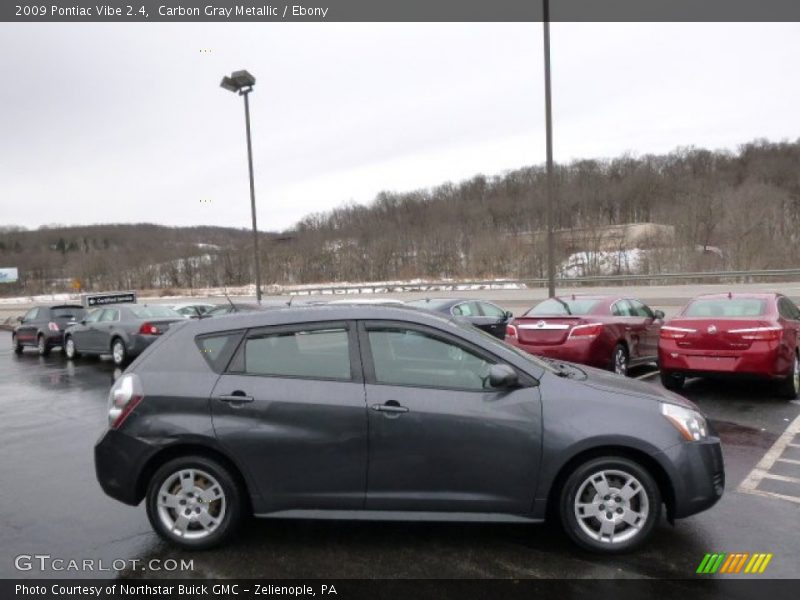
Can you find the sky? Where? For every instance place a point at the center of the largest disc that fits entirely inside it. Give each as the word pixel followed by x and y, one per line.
pixel 107 123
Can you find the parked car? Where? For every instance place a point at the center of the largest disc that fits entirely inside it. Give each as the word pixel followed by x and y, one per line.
pixel 333 412
pixel 123 330
pixel 231 307
pixel 747 335
pixel 607 332
pixel 43 327
pixel 482 314
pixel 193 310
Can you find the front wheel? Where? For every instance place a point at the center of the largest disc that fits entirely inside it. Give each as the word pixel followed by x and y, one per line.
pixel 610 505
pixel 69 348
pixel 16 344
pixel 194 502
pixel 790 387
pixel 619 360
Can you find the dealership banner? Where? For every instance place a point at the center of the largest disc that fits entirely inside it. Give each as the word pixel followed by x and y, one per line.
pixel 400 10
pixel 90 300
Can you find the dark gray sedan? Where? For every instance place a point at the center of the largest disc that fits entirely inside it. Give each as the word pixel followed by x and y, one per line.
pixel 383 412
pixel 123 331
pixel 480 313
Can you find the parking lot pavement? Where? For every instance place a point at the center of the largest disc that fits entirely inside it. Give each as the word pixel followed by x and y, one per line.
pixel 50 503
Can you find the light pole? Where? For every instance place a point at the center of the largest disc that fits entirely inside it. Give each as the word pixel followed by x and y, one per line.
pixel 551 260
pixel 242 82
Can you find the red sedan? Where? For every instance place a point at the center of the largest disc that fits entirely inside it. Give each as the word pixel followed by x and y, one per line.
pixel 753 335
pixel 608 332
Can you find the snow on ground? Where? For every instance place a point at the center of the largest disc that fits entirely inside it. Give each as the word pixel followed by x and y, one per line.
pixel 603 262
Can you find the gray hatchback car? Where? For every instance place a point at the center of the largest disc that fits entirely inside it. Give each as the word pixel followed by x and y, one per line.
pixel 386 412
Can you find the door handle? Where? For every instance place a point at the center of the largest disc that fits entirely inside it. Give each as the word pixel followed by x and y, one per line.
pixel 235 397
pixel 392 406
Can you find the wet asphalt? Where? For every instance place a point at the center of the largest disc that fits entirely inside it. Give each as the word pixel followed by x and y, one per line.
pixel 52 411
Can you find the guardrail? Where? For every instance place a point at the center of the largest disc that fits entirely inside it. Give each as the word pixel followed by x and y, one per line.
pixel 446 285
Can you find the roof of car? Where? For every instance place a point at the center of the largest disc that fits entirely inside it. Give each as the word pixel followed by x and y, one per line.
pixel 310 313
pixel 726 295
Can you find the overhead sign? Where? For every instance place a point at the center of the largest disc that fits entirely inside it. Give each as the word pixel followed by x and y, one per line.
pixel 90 300
pixel 9 275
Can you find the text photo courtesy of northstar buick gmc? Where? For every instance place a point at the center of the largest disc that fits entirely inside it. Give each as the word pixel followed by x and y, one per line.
pixel 382 412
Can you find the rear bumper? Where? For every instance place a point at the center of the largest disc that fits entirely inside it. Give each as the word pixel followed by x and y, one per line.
pixel 698 477
pixel 137 343
pixel 762 362
pixel 578 351
pixel 118 463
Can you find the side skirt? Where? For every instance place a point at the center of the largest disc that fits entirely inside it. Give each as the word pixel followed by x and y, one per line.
pixel 395 515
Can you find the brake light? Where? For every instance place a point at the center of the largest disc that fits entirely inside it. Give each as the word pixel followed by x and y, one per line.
pixel 511 331
pixel 669 332
pixel 53 326
pixel 586 331
pixel 125 395
pixel 149 329
pixel 769 334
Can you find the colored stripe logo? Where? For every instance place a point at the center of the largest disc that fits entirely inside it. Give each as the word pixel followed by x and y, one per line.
pixel 734 563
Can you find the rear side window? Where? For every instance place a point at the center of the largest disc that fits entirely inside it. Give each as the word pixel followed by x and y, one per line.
pixel 726 307
pixel 217 348
pixel 307 353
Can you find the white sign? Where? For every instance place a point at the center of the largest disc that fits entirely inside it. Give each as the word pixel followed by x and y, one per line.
pixel 9 275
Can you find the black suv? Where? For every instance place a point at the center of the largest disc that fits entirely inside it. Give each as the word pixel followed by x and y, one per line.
pixel 386 412
pixel 43 327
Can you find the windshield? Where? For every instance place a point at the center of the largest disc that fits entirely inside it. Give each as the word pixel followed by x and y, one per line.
pixel 562 306
pixel 726 307
pixel 154 312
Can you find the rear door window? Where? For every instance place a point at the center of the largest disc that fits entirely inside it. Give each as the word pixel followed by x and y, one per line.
pixel 305 352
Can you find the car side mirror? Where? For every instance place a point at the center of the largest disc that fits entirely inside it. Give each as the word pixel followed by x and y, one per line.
pixel 20 319
pixel 659 314
pixel 509 315
pixel 502 376
pixel 83 321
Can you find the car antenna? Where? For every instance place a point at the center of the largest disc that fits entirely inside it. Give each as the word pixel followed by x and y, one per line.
pixel 229 300
pixel 289 303
pixel 730 295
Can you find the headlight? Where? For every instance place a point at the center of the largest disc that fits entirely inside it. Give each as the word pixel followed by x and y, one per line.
pixel 690 423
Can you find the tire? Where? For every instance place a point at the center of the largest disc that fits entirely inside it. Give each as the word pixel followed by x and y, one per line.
pixel 619 360
pixel 596 530
pixel 119 353
pixel 16 344
pixel 203 524
pixel 672 381
pixel 789 388
pixel 41 345
pixel 69 348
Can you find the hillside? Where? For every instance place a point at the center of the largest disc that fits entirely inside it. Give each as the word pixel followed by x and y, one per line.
pixel 724 210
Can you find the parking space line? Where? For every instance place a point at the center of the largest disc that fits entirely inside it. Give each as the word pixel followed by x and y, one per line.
pixel 773 455
pixel 789 460
pixel 646 375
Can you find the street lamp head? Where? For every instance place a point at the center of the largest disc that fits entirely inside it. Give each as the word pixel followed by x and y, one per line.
pixel 238 81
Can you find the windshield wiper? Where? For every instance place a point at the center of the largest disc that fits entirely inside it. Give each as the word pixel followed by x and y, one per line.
pixel 564 304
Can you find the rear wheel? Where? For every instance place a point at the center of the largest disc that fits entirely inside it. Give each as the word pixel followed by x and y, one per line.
pixel 619 360
pixel 672 381
pixel 41 345
pixel 610 505
pixel 119 352
pixel 69 348
pixel 790 387
pixel 194 502
pixel 16 344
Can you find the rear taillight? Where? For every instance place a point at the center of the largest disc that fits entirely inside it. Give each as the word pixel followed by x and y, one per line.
pixel 768 334
pixel 53 326
pixel 511 331
pixel 149 329
pixel 586 331
pixel 675 333
pixel 125 395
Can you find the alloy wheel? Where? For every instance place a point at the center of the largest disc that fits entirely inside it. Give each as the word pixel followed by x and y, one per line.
pixel 191 504
pixel 611 506
pixel 796 375
pixel 620 361
pixel 118 352
pixel 69 348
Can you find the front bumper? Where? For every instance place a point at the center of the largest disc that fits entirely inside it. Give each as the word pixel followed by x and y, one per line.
pixel 698 475
pixel 118 463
